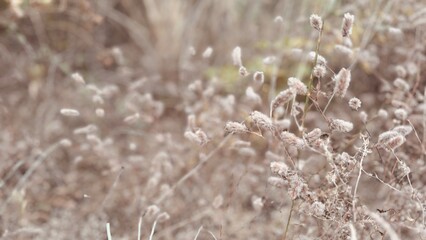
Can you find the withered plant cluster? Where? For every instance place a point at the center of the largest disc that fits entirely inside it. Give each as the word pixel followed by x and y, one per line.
pixel 212 120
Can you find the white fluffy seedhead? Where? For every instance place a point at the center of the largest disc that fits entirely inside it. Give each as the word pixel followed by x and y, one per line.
pixel 342 81
pixel 348 21
pixel 316 22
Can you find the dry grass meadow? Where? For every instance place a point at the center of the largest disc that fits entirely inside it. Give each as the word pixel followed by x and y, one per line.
pixel 212 119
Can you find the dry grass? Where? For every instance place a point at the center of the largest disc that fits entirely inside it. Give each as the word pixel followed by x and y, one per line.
pixel 212 120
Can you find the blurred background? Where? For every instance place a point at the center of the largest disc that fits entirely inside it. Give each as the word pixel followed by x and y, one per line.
pixel 143 67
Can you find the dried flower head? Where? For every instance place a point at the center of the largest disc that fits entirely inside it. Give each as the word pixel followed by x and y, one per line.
pixel 401 114
pixel 208 52
pixel 269 60
pixel 298 86
pixel 279 168
pixel 313 135
pixel 236 56
pixel 316 22
pixel 390 140
pixel 243 71
pixel 257 203
pixel 401 84
pixel 355 103
pixel 252 96
pixel 258 78
pixel 320 59
pixel 262 121
pixel 281 99
pixel 235 127
pixel 278 19
pixel 218 201
pixel 341 125
pixel 277 182
pixel 292 140
pixel 363 116
pixel 348 21
pixel 342 81
pixel 319 71
pixel 404 130
pixel 382 113
pixel 69 112
pixel 78 78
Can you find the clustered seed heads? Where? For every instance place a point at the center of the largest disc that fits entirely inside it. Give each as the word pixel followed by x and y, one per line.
pixel 279 168
pixel 281 99
pixel 262 121
pixel 320 59
pixel 316 22
pixel 390 140
pixel 235 127
pixel 348 21
pixel 298 86
pixel 342 81
pixel 341 125
pixel 355 103
pixel 319 71
pixel 292 140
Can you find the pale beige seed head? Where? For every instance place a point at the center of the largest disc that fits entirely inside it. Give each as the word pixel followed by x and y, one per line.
pixel 70 112
pixel 236 56
pixel 316 22
pixel 354 103
pixel 342 81
pixel 341 125
pixel 298 86
pixel 348 21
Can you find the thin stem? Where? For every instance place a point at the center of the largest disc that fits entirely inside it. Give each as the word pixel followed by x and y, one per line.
pixel 108 229
pixel 152 230
pixel 288 220
pixel 311 78
pixel 140 228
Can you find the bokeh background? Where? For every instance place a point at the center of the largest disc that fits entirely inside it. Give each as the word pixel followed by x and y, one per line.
pixel 147 66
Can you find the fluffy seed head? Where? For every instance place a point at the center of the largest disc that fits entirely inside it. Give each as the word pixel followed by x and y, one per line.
pixel 319 71
pixel 354 103
pixel 313 135
pixel 401 114
pixel 208 52
pixel 235 127
pixel 277 182
pixel 404 130
pixel 258 78
pixel 401 84
pixel 292 140
pixel 320 59
pixel 382 113
pixel 391 140
pixel 132 118
pixel 298 86
pixel 342 81
pixel 316 22
pixel 78 78
pixel 262 121
pixel 348 21
pixel 279 168
pixel 282 98
pixel 70 112
pixel 100 112
pixel 363 116
pixel 341 125
pixel 243 71
pixel 236 56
